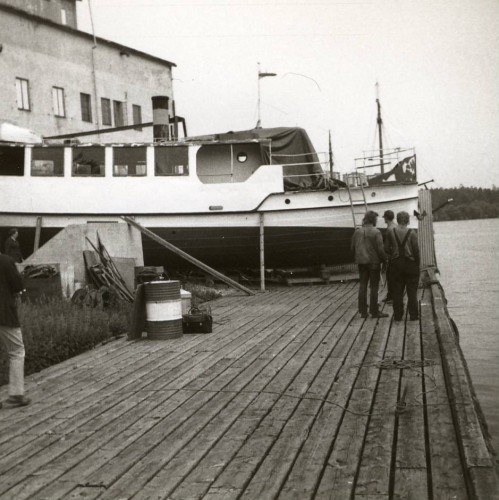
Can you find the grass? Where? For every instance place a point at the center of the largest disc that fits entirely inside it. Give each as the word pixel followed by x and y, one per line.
pixel 55 330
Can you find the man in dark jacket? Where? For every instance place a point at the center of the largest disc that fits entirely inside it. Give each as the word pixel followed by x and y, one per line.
pixel 11 285
pixel 367 244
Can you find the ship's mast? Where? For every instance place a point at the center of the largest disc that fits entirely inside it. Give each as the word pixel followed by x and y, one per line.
pixel 380 130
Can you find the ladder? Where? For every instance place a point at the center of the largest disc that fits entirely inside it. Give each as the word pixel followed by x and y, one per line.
pixel 358 211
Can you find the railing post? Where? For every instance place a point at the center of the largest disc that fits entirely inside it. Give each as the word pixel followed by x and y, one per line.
pixel 262 253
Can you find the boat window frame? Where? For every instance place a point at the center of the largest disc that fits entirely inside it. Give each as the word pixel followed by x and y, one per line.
pixel 138 147
pixel 102 172
pixel 186 170
pixel 62 149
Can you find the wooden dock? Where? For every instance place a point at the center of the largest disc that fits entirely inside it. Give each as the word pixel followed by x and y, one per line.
pixel 293 396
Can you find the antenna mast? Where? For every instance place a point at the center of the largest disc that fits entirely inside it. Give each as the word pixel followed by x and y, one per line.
pixel 380 130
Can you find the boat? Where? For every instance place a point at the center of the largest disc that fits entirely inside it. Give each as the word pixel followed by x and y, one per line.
pixel 216 197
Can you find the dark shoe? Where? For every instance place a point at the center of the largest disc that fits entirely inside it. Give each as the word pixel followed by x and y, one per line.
pixel 380 315
pixel 15 401
pixel 364 315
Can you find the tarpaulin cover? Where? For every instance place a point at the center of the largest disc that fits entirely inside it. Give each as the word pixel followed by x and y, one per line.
pixel 289 146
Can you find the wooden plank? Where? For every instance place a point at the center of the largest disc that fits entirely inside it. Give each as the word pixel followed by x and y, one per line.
pixel 307 469
pixel 410 463
pixel 376 463
pixel 338 478
pixel 475 454
pixel 444 465
pixel 316 374
pixel 247 460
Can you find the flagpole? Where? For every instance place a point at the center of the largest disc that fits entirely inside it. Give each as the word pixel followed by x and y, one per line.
pixel 261 75
pixel 330 157
pixel 259 121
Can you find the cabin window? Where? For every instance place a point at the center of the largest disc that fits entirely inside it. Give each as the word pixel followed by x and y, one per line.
pixel 47 162
pixel 88 161
pixel 106 111
pixel 119 116
pixel 86 107
pixel 22 94
pixel 171 160
pixel 137 116
pixel 58 101
pixel 11 160
pixel 129 161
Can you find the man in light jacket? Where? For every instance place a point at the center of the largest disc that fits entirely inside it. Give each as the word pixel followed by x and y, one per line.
pixel 367 244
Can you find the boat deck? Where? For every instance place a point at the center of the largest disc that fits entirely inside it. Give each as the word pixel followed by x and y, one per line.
pixel 293 396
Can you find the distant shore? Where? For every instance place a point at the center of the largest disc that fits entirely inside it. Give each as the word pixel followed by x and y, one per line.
pixel 467 203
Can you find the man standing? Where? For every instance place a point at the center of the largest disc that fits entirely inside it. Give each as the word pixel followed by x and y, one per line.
pixel 367 244
pixel 388 216
pixel 12 247
pixel 10 331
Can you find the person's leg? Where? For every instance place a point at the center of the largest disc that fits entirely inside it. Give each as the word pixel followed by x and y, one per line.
pixel 363 281
pixel 412 281
pixel 389 282
pixel 398 291
pixel 374 275
pixel 13 341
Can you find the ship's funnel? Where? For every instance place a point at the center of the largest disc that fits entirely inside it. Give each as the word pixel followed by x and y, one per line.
pixel 161 117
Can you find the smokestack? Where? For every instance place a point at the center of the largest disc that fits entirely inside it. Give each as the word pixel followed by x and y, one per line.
pixel 160 117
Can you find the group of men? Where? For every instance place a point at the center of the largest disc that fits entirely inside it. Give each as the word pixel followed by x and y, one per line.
pixel 398 253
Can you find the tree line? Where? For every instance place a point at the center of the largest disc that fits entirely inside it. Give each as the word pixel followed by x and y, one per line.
pixel 468 203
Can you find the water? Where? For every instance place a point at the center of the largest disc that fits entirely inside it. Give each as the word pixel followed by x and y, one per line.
pixel 467 257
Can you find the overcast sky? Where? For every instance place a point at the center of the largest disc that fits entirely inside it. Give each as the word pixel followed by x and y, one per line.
pixel 437 64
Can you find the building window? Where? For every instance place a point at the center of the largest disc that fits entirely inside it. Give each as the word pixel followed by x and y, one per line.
pixel 47 162
pixel 58 101
pixel 171 160
pixel 137 116
pixel 22 91
pixel 106 111
pixel 63 17
pixel 86 107
pixel 88 161
pixel 129 161
pixel 119 119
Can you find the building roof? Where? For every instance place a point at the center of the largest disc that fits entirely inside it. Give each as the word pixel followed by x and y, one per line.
pixel 83 34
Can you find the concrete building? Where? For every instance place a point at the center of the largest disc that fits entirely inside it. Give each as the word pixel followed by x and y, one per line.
pixel 57 80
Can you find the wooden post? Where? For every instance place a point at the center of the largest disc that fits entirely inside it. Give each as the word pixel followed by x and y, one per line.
pixel 187 257
pixel 262 254
pixel 425 231
pixel 38 232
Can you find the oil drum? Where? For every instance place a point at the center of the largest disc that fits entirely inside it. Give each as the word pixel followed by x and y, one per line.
pixel 163 310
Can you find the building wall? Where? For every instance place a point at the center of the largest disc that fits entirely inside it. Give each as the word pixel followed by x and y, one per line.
pixel 49 9
pixel 48 55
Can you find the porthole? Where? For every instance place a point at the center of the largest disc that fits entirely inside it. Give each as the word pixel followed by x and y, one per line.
pixel 242 157
pixel 287 201
pixel 373 194
pixel 330 197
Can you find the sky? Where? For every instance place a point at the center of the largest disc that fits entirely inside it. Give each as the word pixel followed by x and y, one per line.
pixel 436 63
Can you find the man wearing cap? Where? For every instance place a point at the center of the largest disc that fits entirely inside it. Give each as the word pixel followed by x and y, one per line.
pixel 388 216
pixel 367 244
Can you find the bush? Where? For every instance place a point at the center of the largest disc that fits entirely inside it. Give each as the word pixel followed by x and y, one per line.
pixel 55 330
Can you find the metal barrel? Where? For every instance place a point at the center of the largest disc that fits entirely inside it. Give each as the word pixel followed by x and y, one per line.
pixel 163 310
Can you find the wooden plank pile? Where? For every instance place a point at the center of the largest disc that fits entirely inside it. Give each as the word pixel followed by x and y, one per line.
pixel 103 271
